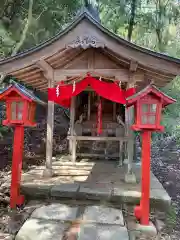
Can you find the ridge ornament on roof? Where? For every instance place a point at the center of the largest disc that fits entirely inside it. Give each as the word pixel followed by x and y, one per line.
pixel 86 41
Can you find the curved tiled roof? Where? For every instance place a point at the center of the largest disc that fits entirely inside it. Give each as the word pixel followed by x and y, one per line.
pixel 57 52
pixel 79 18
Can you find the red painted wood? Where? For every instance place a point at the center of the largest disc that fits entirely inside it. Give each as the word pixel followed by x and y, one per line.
pixel 138 112
pixel 148 127
pixel 16 165
pixel 146 156
pixel 10 96
pixel 150 95
pixel 25 111
pixel 20 200
pixel 13 92
pixel 142 211
pixel 8 112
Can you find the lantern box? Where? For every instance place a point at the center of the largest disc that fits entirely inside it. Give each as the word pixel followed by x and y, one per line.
pixel 20 106
pixel 148 105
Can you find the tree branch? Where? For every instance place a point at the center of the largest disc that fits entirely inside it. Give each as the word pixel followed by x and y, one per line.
pixel 25 30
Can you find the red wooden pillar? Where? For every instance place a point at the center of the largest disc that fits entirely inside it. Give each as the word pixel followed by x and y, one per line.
pixel 15 197
pixel 142 211
pixel 146 158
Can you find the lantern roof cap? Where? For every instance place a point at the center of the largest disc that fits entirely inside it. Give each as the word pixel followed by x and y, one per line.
pixel 151 88
pixel 24 92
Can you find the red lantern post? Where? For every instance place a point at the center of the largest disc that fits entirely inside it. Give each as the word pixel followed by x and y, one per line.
pixel 148 105
pixel 20 111
pixel 16 198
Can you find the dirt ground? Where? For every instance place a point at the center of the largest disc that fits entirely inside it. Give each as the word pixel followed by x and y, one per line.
pixel 166 167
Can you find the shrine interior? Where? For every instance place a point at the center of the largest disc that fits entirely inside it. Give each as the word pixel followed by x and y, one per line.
pixel 86 118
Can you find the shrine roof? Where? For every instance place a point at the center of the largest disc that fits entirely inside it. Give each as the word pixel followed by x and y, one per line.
pixel 25 92
pixel 60 49
pixel 79 18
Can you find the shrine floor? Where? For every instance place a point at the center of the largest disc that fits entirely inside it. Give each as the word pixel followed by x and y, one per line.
pixel 90 180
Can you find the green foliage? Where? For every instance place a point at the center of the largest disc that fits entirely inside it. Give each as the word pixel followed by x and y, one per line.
pixel 155 22
pixel 3 131
pixel 171 219
pixel 171 118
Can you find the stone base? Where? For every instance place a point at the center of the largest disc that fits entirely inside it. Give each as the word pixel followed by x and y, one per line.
pixel 48 172
pixel 130 178
pixel 137 230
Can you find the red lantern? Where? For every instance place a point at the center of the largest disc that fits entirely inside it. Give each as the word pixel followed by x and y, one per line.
pixel 148 105
pixel 20 111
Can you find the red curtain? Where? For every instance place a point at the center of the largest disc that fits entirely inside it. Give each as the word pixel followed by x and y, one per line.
pixel 110 91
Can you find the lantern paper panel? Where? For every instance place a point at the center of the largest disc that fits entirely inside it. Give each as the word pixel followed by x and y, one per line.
pixel 148 114
pixel 17 110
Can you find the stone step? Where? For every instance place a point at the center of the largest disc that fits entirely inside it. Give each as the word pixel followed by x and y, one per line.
pixel 105 182
pixel 66 161
pixel 104 191
pixel 60 221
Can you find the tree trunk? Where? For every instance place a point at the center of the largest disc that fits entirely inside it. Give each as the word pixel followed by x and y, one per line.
pixel 25 30
pixel 132 19
pixel 159 27
pixel 159 37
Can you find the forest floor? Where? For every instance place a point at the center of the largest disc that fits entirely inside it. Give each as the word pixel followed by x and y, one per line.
pixel 165 165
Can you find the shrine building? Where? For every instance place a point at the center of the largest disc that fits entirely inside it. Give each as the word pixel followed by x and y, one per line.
pixel 91 71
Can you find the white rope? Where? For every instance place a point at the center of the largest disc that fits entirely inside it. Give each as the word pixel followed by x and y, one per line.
pixel 2 76
pixel 74 86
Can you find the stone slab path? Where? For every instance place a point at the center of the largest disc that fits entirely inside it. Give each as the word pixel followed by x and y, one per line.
pixel 60 221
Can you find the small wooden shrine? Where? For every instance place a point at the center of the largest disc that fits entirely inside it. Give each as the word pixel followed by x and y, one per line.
pixel 86 49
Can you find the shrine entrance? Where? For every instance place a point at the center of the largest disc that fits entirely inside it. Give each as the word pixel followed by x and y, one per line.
pixel 97 124
pixel 89 124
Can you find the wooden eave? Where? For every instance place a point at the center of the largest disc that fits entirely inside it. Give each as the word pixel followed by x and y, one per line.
pixel 159 68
